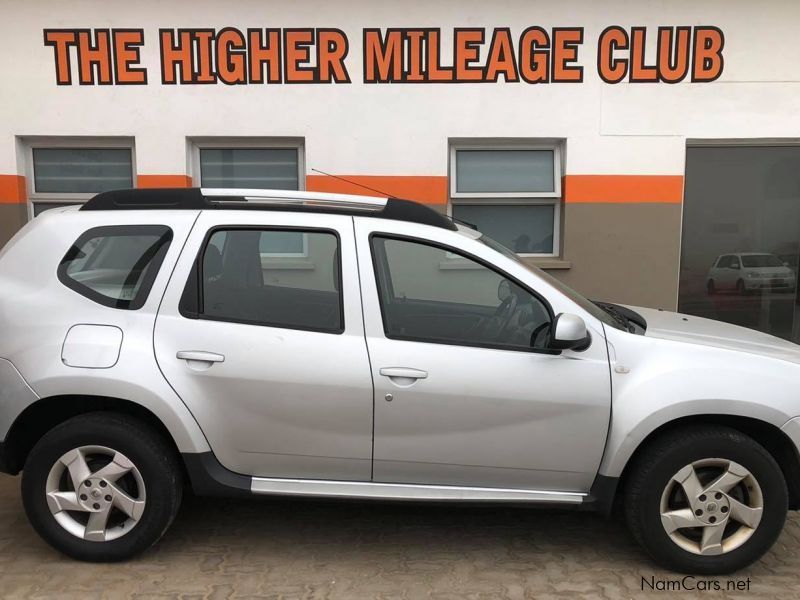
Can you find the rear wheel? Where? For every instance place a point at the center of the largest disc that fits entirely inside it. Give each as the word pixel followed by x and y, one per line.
pixel 740 288
pixel 706 500
pixel 101 487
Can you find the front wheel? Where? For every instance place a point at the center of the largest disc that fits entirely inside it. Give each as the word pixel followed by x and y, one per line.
pixel 101 487
pixel 706 500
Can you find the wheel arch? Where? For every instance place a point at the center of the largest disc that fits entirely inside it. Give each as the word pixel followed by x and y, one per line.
pixel 775 441
pixel 44 414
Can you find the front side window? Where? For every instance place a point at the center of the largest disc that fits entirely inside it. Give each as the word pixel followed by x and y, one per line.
pixel 512 194
pixel 236 282
pixel 437 295
pixel 115 266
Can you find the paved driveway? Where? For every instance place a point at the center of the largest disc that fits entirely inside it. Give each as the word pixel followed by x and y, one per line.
pixel 312 549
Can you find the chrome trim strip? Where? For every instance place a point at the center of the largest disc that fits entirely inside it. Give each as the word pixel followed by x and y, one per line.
pixel 400 491
pixel 296 197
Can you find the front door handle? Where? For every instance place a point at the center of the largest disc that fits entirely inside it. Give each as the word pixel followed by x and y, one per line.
pixel 403 376
pixel 194 355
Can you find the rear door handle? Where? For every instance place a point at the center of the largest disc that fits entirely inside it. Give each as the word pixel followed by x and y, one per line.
pixel 403 376
pixel 208 357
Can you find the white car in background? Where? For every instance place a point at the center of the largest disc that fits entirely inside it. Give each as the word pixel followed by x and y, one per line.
pixel 750 271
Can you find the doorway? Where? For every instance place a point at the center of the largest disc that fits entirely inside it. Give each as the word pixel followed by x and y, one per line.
pixel 741 236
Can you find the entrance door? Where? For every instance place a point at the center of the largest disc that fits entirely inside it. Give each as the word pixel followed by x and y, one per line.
pixel 741 237
pixel 465 391
pixel 262 338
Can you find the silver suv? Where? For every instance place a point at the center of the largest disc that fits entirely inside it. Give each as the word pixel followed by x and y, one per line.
pixel 249 342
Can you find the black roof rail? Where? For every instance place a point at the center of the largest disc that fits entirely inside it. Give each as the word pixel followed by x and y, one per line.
pixel 281 200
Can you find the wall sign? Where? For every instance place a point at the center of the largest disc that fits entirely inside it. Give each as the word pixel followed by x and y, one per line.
pixel 395 55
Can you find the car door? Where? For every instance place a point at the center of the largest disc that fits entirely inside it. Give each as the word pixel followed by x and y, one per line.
pixel 461 396
pixel 260 333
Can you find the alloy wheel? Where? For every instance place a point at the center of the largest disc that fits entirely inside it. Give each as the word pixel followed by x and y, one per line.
pixel 95 493
pixel 711 506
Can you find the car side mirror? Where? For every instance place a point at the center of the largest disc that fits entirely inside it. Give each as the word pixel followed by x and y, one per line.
pixel 735 267
pixel 569 333
pixel 785 264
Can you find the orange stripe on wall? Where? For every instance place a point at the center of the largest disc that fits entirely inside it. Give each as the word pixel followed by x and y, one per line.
pixel 623 188
pixel 428 189
pixel 163 181
pixel 12 189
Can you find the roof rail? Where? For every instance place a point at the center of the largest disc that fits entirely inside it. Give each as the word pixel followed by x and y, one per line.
pixel 248 199
pixel 293 197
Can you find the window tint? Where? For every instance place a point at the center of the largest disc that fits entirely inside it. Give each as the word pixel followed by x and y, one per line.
pixel 761 260
pixel 436 295
pixel 81 170
pixel 525 229
pixel 241 281
pixel 116 266
pixel 503 171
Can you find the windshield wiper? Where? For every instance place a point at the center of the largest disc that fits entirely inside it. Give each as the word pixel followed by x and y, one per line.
pixel 617 316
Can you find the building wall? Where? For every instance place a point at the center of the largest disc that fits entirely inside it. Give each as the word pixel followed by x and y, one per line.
pixel 625 143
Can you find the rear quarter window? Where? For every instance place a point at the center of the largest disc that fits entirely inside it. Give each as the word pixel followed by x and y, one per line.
pixel 116 265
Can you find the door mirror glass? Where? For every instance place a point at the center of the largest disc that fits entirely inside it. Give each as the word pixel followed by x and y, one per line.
pixel 569 333
pixel 735 265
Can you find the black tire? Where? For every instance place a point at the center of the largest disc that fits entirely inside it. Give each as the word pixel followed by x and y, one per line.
pixel 147 450
pixel 665 456
pixel 740 289
pixel 712 289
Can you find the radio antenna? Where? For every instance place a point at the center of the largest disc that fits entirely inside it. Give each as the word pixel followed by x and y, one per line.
pixel 361 185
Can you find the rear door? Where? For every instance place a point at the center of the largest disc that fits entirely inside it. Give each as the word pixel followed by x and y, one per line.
pixel 260 333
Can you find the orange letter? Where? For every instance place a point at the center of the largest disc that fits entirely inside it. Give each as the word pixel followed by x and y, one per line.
pixel 180 55
pixel 533 63
pixel 501 57
pixel 381 56
pixel 331 50
pixel 565 50
pixel 708 61
pixel 204 39
pixel 435 71
pixel 640 73
pixel 297 44
pixel 466 44
pixel 89 55
pixel 61 40
pixel 231 56
pixel 126 56
pixel 415 55
pixel 610 69
pixel 260 54
pixel 667 71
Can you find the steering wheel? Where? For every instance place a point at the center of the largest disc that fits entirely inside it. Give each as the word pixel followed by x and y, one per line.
pixel 544 328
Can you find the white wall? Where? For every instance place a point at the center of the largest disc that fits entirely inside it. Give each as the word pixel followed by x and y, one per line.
pixel 404 129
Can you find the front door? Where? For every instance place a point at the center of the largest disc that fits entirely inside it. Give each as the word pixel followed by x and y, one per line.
pixel 465 391
pixel 262 338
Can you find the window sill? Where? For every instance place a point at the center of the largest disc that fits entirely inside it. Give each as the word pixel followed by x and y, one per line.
pixel 547 263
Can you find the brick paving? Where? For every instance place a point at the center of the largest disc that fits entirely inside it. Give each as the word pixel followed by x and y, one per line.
pixel 268 548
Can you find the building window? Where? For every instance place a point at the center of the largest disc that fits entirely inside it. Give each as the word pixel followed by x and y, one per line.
pixel 511 192
pixel 260 163
pixel 64 171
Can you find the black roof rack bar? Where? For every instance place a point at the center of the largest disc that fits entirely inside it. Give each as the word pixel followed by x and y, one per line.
pixel 246 199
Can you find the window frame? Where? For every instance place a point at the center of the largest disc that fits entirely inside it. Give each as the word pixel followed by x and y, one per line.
pixel 461 254
pixel 499 199
pixel 147 283
pixel 197 144
pixel 190 305
pixel 29 143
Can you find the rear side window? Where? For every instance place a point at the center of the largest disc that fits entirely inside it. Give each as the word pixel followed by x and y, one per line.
pixel 116 265
pixel 239 278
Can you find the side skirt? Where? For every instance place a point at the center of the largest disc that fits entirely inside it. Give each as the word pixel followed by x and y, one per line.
pixel 209 478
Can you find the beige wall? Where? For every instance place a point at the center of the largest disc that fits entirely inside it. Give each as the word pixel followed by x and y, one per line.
pixel 12 218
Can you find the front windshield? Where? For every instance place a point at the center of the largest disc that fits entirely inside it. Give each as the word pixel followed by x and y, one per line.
pixel 584 303
pixel 761 260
